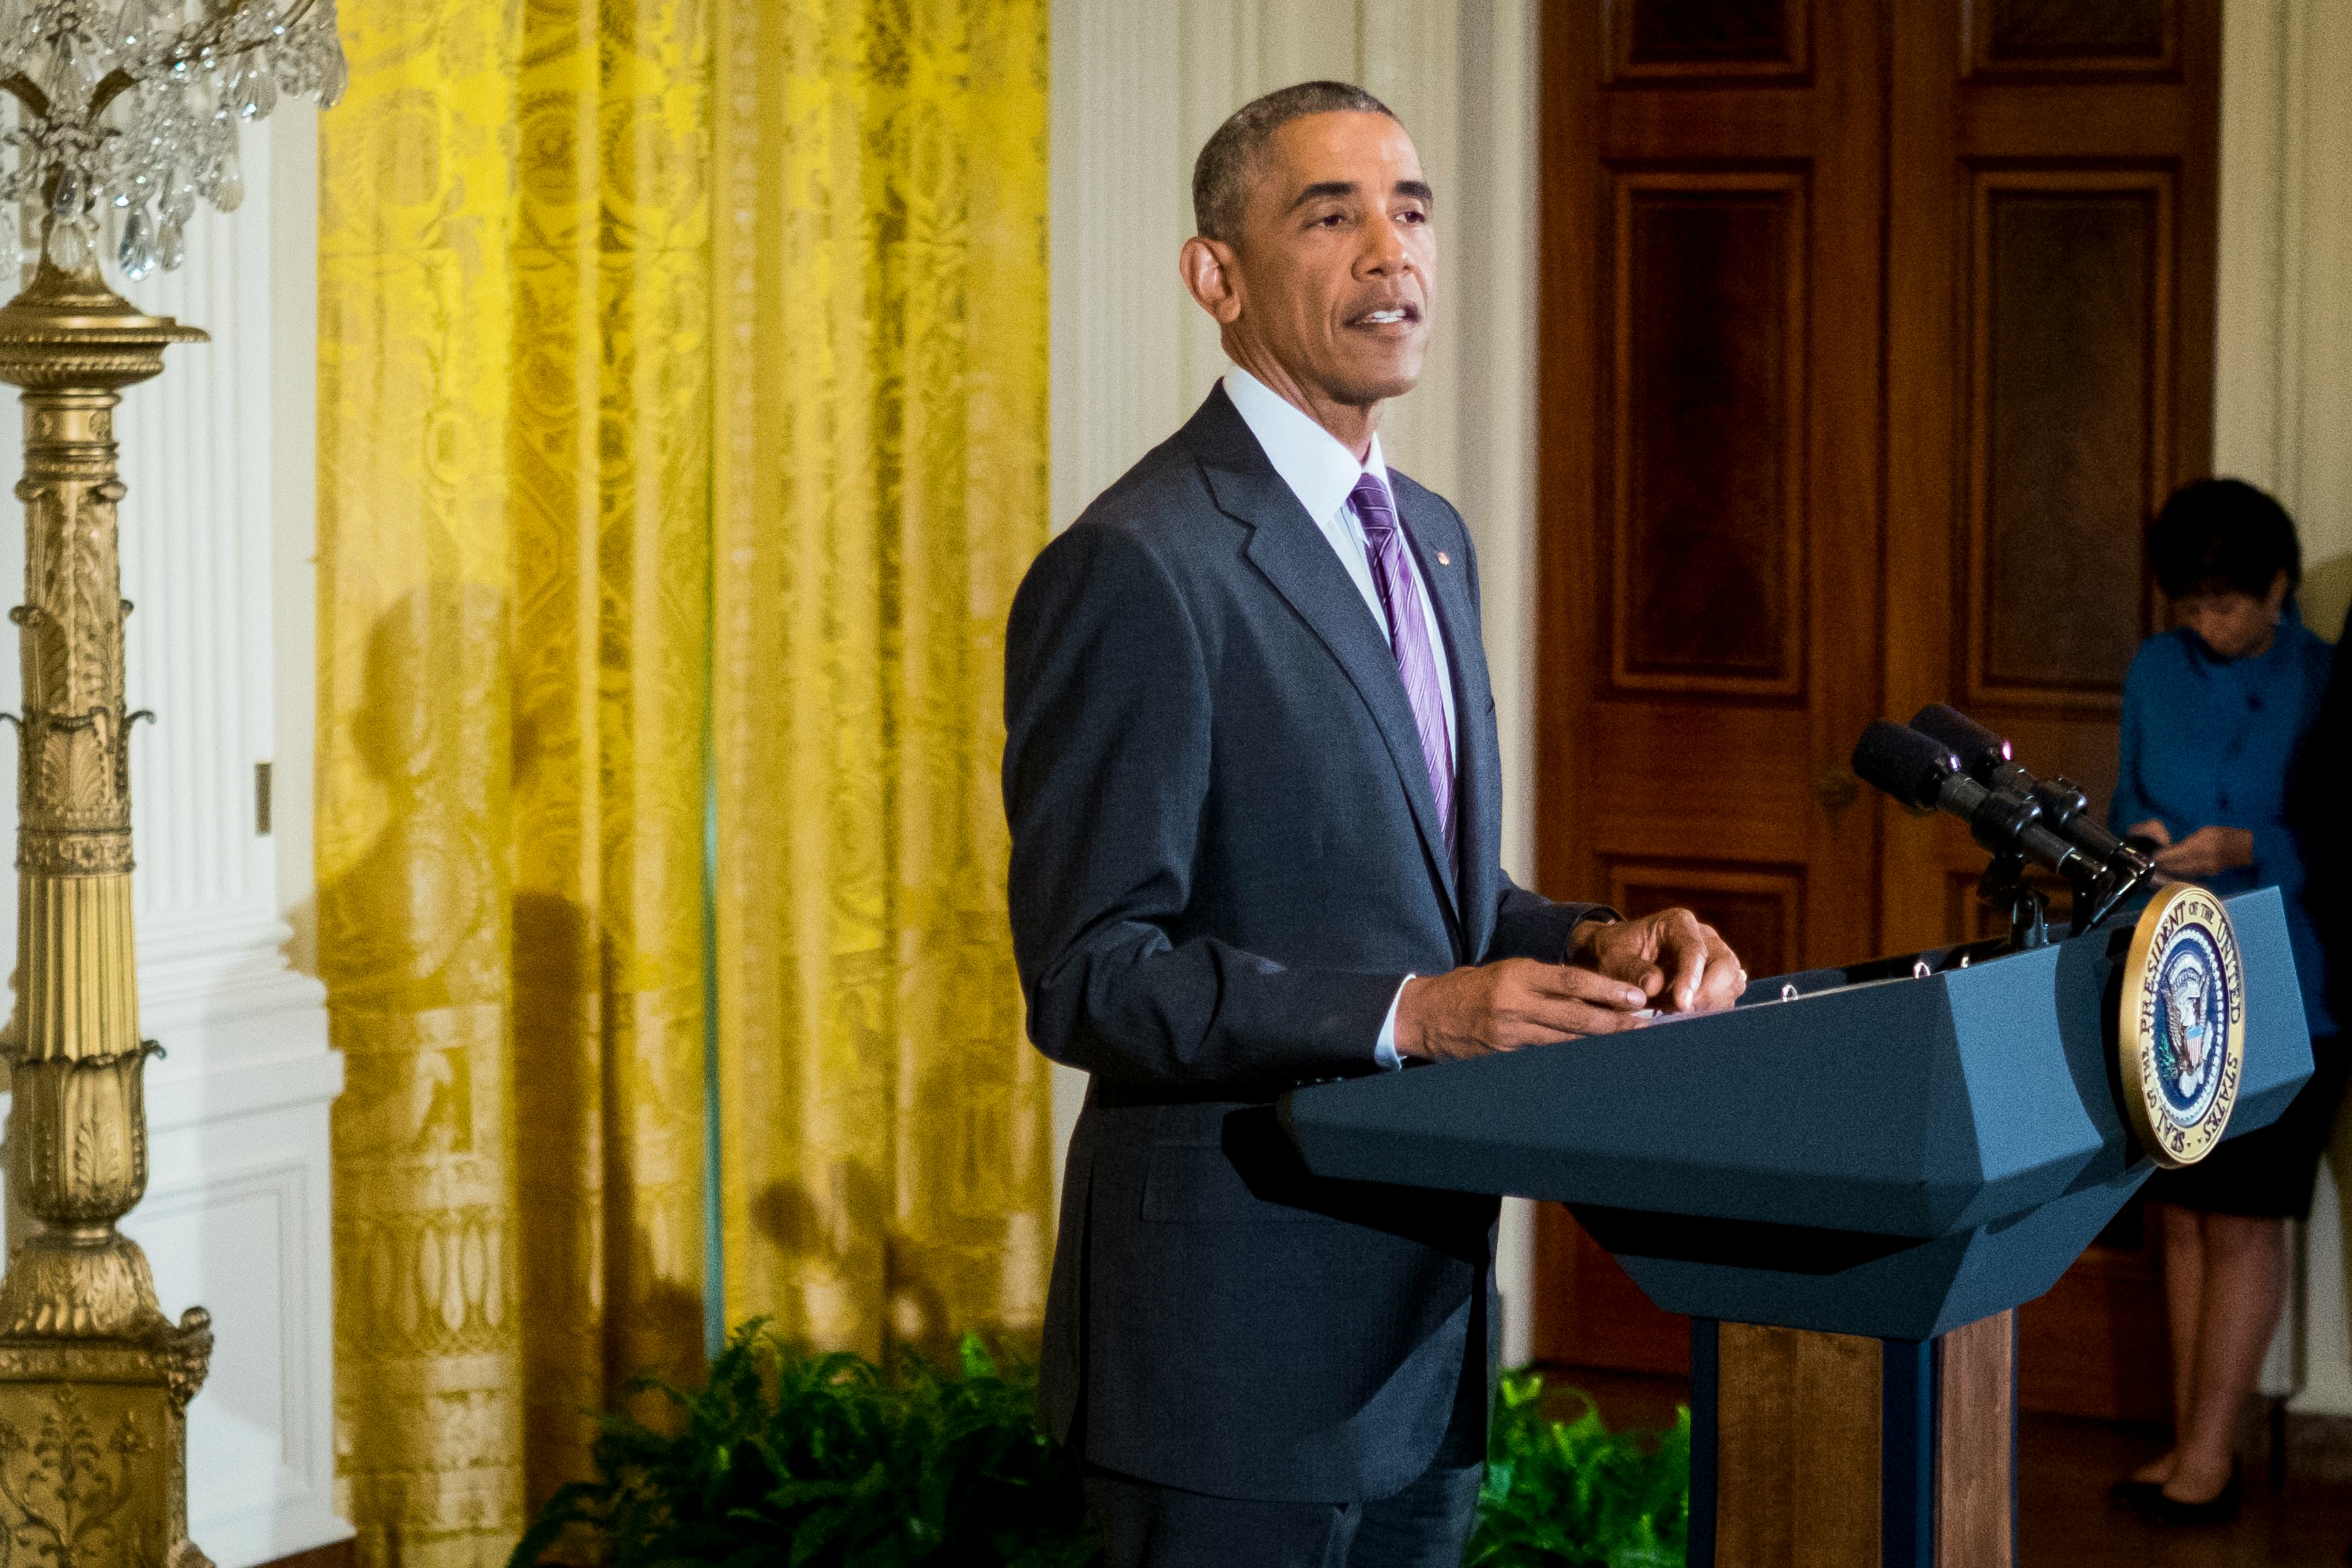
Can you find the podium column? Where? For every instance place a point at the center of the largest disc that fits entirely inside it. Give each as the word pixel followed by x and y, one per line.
pixel 1838 1451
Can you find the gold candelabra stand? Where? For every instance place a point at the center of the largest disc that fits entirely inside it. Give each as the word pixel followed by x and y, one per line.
pixel 94 1380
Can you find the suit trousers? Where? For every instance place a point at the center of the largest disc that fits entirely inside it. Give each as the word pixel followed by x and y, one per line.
pixel 1145 1525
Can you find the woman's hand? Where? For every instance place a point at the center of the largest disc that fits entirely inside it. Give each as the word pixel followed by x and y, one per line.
pixel 2208 852
pixel 2152 829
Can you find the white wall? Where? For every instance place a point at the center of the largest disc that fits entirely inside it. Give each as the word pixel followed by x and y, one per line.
pixel 2284 367
pixel 1138 85
pixel 2283 399
pixel 217 460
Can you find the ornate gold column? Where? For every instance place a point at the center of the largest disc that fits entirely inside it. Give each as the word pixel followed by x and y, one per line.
pixel 94 1380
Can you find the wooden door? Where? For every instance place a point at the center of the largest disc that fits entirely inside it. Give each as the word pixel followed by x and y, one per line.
pixel 1710 379
pixel 2050 370
pixel 1872 334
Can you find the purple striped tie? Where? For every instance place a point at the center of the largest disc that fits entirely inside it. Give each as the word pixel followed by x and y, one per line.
pixel 1409 638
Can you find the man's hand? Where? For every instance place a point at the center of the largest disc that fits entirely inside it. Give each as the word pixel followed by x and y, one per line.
pixel 1670 955
pixel 1504 1006
pixel 2208 852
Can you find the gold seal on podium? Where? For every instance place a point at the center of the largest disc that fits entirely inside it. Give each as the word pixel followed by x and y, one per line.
pixel 2181 1035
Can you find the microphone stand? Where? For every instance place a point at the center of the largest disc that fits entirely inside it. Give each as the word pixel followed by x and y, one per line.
pixel 2097 892
pixel 2003 887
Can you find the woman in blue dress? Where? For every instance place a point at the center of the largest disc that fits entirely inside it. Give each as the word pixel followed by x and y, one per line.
pixel 2216 712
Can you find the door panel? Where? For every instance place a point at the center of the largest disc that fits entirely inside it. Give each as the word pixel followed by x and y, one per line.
pixel 2050 232
pixel 1707 401
pixel 1709 498
pixel 2067 408
pixel 2024 38
pixel 1748 40
pixel 1710 503
pixel 1871 336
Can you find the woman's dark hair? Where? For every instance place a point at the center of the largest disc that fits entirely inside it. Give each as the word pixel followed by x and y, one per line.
pixel 2218 534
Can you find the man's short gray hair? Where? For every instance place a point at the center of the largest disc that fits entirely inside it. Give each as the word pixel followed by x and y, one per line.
pixel 1221 175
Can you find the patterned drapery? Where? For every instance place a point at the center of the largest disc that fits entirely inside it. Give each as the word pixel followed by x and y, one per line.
pixel 882 259
pixel 552 383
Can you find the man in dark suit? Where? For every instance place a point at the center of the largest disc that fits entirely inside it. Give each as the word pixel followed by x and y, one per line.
pixel 1254 794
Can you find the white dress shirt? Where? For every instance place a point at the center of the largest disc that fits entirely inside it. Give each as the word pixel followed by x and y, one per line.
pixel 1323 474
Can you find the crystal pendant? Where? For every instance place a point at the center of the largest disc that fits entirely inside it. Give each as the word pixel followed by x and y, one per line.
pixel 335 73
pixel 77 76
pixel 228 183
pixel 258 94
pixel 137 259
pixel 67 201
pixel 68 247
pixel 171 244
pixel 132 23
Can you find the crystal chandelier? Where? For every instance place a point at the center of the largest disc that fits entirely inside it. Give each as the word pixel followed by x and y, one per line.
pixel 133 105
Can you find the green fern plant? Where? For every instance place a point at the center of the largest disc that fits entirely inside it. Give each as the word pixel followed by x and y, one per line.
pixel 822 1461
pixel 1573 1494
pixel 782 1458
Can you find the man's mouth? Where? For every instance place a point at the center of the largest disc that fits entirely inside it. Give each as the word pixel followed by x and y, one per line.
pixel 1388 316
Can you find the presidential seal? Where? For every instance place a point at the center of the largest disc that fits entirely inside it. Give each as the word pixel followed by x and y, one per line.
pixel 2182 1035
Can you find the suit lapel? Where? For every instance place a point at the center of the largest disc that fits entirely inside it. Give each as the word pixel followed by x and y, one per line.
pixel 1291 552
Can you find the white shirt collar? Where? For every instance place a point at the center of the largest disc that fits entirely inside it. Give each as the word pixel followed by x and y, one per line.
pixel 1319 471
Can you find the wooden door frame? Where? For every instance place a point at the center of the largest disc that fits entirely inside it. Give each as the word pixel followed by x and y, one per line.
pixel 1842 497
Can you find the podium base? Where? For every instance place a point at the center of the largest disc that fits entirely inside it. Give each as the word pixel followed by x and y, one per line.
pixel 1838 1451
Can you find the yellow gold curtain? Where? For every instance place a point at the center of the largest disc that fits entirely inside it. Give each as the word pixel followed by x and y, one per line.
pixel 535 678
pixel 880 487
pixel 514 409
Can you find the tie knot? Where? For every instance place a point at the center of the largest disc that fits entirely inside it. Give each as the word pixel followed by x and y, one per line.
pixel 1373 506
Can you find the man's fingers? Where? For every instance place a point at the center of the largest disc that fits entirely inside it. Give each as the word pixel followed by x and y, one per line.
pixel 1631 968
pixel 1569 982
pixel 1725 978
pixel 1556 1019
pixel 1683 944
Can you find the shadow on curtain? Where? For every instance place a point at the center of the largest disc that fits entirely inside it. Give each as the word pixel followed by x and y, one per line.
pixel 681 425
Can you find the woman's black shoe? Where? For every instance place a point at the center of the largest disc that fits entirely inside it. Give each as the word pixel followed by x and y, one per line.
pixel 2219 1508
pixel 2139 1496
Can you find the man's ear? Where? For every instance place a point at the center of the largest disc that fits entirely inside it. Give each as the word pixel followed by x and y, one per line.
pixel 1211 279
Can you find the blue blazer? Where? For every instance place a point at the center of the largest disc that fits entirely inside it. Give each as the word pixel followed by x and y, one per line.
pixel 1225 858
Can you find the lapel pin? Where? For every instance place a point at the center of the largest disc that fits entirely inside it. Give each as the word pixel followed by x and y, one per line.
pixel 1444 558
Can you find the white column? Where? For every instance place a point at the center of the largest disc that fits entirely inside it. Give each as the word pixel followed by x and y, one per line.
pixel 217 462
pixel 1138 88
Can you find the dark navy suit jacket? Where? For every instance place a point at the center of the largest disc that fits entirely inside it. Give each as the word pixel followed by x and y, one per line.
pixel 1225 858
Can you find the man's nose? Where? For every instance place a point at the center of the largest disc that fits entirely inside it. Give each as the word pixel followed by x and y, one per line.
pixel 1383 250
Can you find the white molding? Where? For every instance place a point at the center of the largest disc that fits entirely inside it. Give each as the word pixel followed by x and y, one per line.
pixel 237 1220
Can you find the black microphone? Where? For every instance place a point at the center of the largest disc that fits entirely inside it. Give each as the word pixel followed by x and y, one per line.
pixel 1991 760
pixel 1983 755
pixel 1920 772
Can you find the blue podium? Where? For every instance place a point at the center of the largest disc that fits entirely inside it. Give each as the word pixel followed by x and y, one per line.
pixel 1894 1151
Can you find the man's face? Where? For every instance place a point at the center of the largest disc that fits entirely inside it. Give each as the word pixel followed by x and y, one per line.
pixel 1336 265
